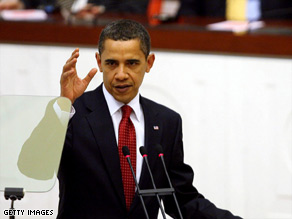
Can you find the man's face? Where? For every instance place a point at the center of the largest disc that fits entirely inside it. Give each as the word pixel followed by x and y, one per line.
pixel 123 65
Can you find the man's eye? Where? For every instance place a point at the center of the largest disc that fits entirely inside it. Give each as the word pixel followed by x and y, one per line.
pixel 132 63
pixel 110 63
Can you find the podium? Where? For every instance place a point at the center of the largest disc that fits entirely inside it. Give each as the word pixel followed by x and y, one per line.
pixel 32 134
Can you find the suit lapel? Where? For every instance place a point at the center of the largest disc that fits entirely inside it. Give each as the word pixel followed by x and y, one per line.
pixel 101 125
pixel 153 129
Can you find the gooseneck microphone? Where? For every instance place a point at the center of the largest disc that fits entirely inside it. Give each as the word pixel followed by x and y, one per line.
pixel 126 153
pixel 161 155
pixel 143 152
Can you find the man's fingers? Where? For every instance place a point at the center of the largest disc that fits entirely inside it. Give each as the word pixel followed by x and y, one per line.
pixel 75 54
pixel 75 50
pixel 90 75
pixel 67 74
pixel 70 65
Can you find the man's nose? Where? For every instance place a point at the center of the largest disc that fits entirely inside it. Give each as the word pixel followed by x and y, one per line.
pixel 121 73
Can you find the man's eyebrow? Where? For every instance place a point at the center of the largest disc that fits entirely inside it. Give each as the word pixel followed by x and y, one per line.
pixel 110 60
pixel 133 60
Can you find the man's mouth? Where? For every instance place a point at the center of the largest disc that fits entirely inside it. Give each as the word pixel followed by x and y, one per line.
pixel 122 88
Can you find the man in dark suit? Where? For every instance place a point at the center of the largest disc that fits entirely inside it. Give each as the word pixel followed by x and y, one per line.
pixel 269 9
pixel 90 178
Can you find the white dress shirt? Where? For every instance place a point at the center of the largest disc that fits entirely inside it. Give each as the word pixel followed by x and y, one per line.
pixel 137 118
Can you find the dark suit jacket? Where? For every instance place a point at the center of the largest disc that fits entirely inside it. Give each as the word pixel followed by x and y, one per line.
pixel 270 9
pixel 90 177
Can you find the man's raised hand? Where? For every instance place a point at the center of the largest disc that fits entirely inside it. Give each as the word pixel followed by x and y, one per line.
pixel 71 85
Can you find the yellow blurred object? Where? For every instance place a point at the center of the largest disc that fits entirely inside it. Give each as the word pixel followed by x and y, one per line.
pixel 236 10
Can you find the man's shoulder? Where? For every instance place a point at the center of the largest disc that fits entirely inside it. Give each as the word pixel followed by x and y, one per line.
pixel 89 99
pixel 158 108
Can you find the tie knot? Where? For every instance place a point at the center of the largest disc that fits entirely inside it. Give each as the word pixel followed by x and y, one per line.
pixel 126 111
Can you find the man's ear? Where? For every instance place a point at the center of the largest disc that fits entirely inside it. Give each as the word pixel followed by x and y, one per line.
pixel 150 61
pixel 98 60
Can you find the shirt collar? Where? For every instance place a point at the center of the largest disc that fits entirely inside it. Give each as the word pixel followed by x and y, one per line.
pixel 115 105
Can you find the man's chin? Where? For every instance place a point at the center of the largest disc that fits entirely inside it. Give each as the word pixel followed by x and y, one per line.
pixel 123 98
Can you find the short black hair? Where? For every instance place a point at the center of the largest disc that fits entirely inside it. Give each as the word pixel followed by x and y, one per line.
pixel 125 30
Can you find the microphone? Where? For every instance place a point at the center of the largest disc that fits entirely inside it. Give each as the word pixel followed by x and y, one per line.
pixel 161 155
pixel 126 153
pixel 143 152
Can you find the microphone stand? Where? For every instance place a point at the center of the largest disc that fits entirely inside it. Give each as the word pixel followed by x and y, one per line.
pixel 152 192
pixel 173 194
pixel 126 153
pixel 159 148
pixel 144 155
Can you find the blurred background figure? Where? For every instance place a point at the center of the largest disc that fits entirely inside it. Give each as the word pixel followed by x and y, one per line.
pixel 261 9
pixel 83 7
pixel 11 4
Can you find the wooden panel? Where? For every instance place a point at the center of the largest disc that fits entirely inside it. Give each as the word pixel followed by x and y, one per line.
pixel 187 34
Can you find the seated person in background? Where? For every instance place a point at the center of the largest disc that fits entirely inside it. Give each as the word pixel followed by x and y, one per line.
pixel 11 4
pixel 269 9
pixel 82 7
pixel 95 7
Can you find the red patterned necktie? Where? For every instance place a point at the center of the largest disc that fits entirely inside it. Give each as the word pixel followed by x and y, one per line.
pixel 127 137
